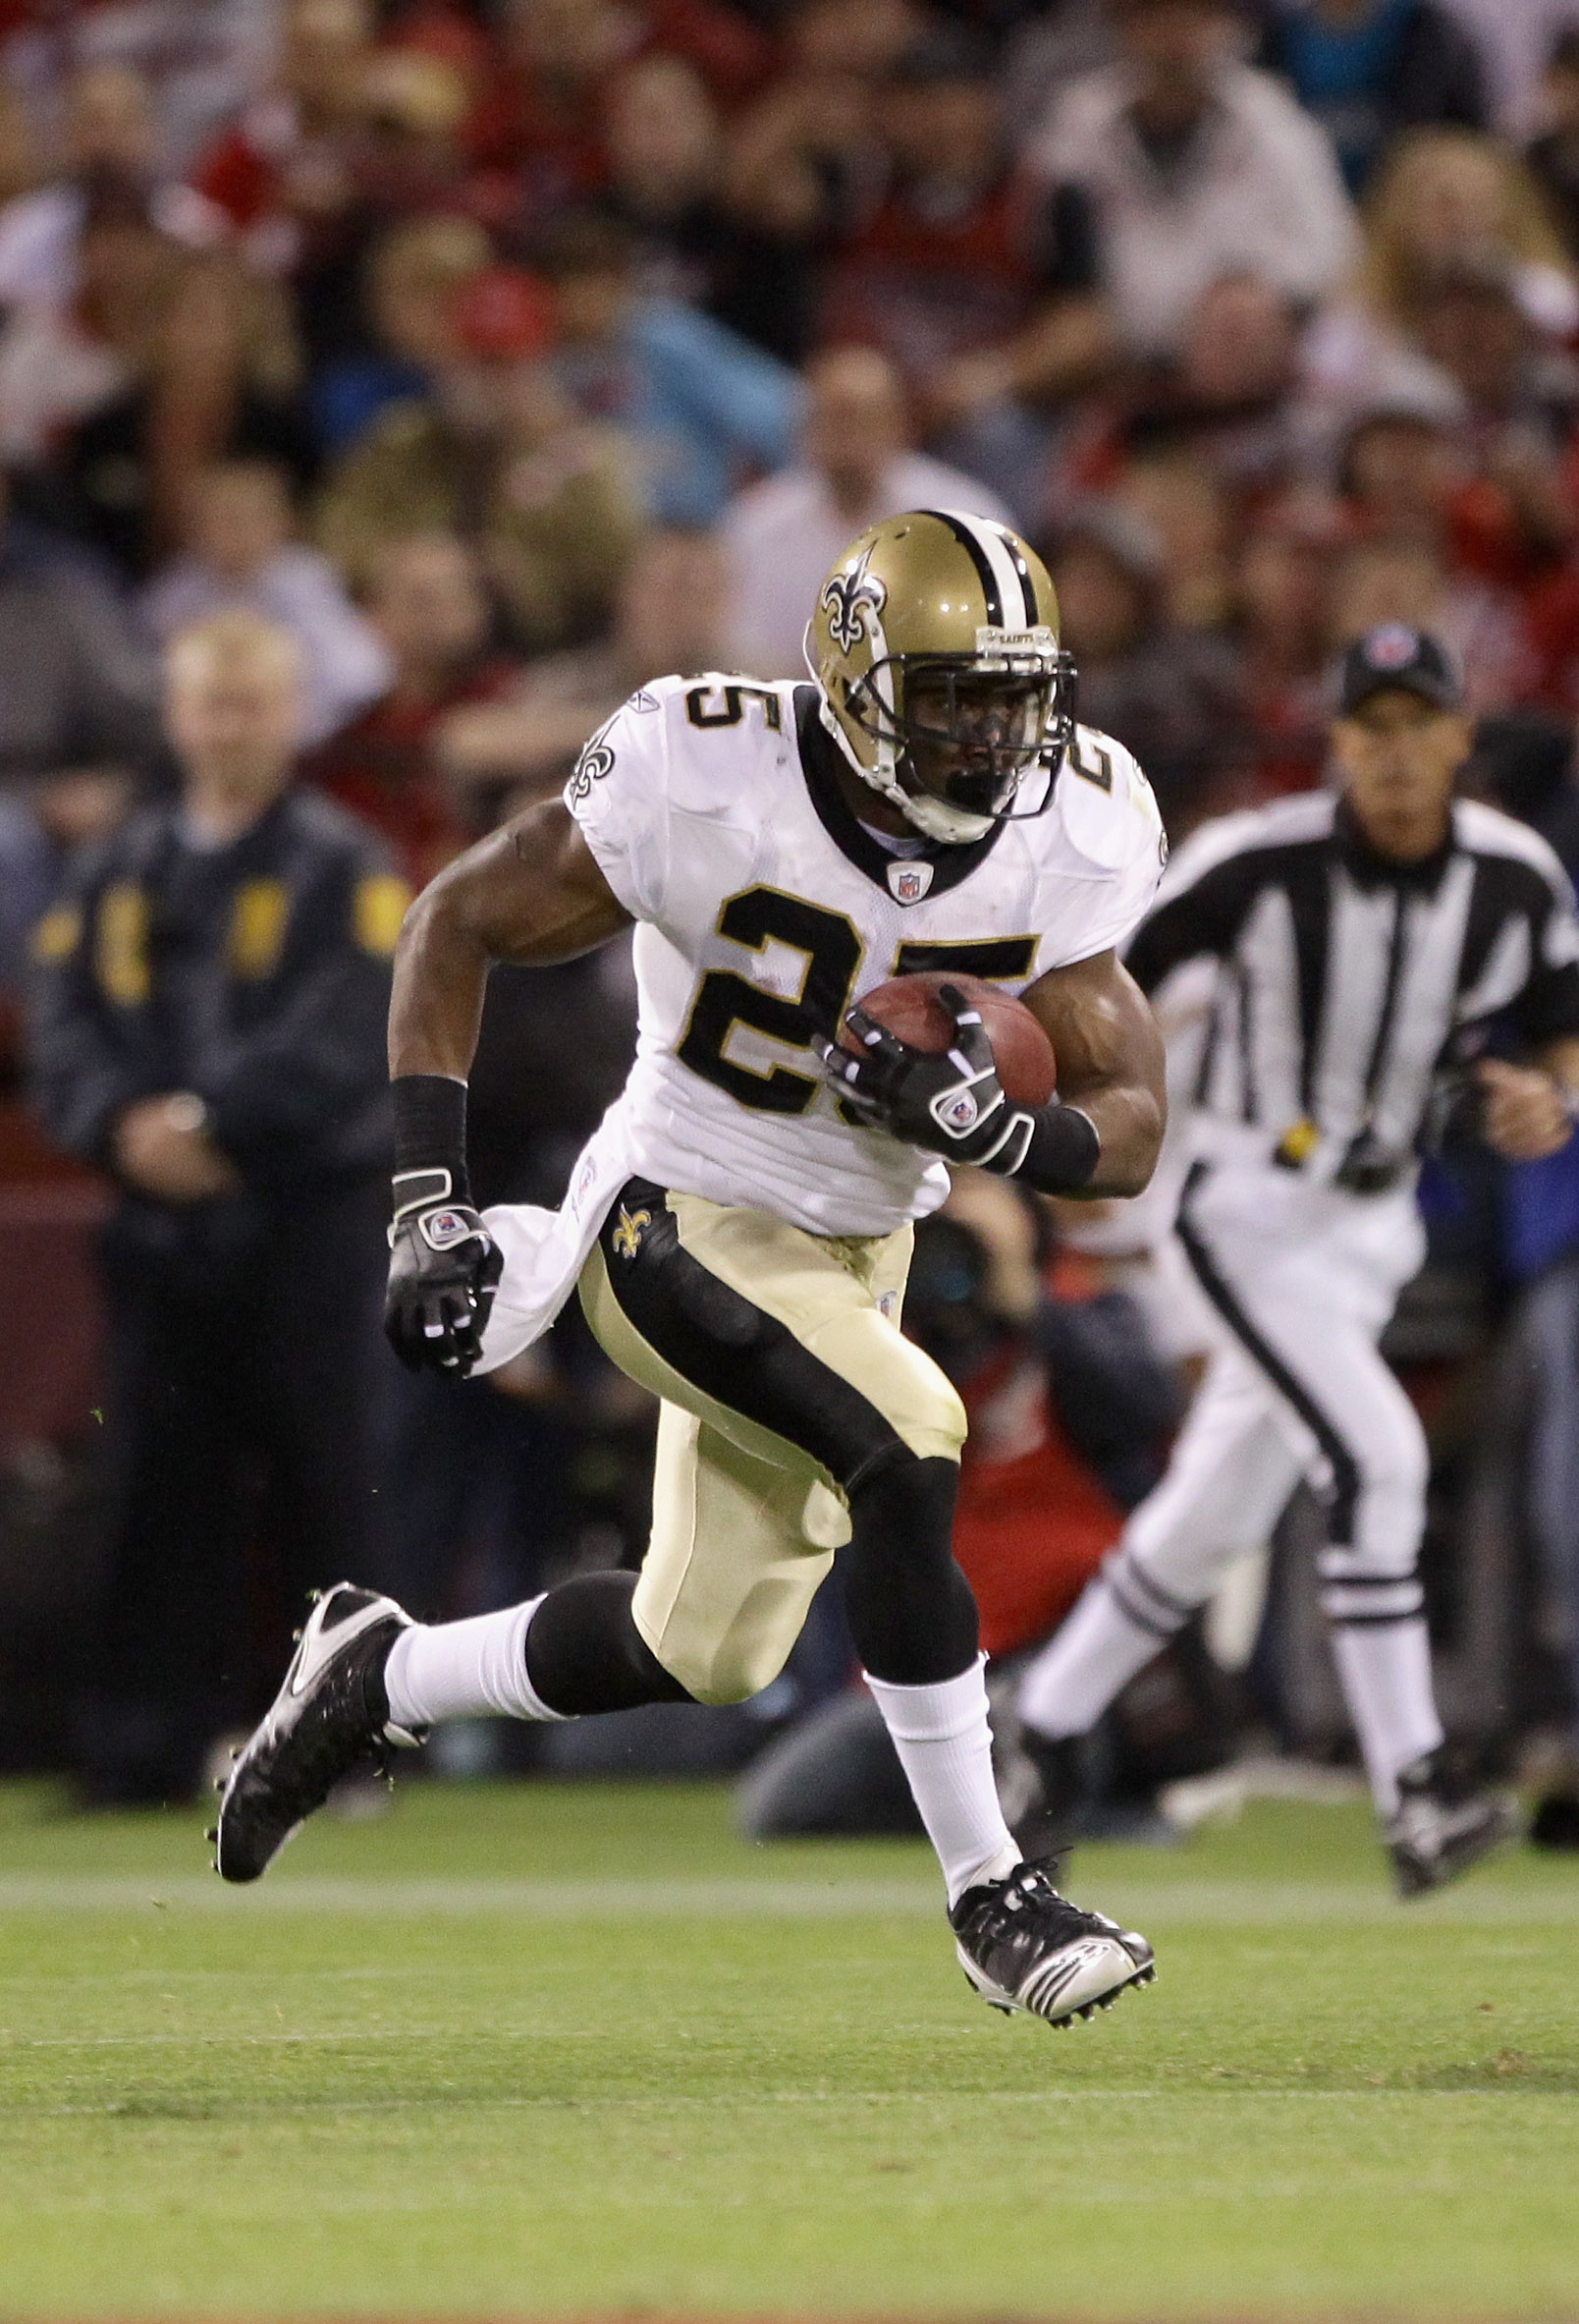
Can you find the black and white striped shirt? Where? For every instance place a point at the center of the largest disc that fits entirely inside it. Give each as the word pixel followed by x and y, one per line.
pixel 1350 985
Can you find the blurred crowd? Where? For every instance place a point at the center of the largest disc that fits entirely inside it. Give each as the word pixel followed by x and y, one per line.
pixel 450 368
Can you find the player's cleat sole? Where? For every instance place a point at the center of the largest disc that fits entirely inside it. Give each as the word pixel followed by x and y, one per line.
pixel 1440 1830
pixel 1027 1950
pixel 329 1720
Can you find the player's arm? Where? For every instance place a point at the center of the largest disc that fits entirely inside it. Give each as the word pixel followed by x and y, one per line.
pixel 531 894
pixel 1098 1134
pixel 1112 1067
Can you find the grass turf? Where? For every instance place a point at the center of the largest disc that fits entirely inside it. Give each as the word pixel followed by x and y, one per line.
pixel 568 2050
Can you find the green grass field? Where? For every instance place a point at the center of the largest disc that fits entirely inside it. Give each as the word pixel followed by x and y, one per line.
pixel 563 2052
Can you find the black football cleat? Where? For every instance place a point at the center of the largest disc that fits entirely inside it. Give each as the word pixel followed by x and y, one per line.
pixel 1442 1825
pixel 1024 1947
pixel 329 1720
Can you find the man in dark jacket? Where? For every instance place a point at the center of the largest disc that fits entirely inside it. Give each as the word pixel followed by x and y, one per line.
pixel 207 1025
pixel 1370 68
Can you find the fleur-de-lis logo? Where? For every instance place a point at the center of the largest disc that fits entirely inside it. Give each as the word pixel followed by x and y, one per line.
pixel 627 1235
pixel 852 600
pixel 595 762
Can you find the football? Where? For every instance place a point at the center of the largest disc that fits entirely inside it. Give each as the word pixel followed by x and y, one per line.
pixel 909 1008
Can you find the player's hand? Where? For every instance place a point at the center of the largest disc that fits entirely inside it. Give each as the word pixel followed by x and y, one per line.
pixel 946 1102
pixel 1524 1115
pixel 443 1268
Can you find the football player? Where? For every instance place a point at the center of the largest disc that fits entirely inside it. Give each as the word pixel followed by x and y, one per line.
pixel 739 1227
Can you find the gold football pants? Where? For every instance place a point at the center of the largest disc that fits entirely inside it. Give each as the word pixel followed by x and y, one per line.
pixel 785 1383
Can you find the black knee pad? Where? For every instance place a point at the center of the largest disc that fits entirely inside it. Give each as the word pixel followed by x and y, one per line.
pixel 584 1652
pixel 911 1612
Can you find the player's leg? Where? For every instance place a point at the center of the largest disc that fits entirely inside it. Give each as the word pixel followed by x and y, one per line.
pixel 788 1346
pixel 726 1622
pixel 783 1338
pixel 1232 1468
pixel 779 1342
pixel 816 1424
pixel 744 1530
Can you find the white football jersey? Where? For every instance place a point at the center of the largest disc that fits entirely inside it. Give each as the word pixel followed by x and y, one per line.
pixel 765 908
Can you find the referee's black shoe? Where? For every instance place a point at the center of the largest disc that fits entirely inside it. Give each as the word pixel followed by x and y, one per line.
pixel 1442 1825
pixel 1024 1947
pixel 1053 1820
pixel 330 1719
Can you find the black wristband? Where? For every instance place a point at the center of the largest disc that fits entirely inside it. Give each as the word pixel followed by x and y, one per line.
pixel 1063 1151
pixel 430 1127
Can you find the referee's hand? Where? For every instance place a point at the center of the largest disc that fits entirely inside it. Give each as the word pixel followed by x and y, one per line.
pixel 1524 1115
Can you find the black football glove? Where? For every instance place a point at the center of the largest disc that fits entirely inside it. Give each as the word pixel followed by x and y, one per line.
pixel 443 1267
pixel 946 1102
pixel 951 1101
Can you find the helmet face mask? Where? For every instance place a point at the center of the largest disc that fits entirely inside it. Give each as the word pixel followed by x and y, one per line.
pixel 935 651
pixel 966 733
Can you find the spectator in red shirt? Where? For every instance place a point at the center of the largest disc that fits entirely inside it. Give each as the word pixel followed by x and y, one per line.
pixel 429 605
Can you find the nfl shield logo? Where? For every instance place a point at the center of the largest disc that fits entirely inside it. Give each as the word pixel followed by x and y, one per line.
pixel 1389 647
pixel 909 881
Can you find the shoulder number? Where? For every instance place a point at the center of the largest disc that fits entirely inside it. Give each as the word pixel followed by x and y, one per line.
pixel 1089 761
pixel 701 706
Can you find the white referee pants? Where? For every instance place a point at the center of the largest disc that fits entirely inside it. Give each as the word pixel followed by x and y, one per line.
pixel 1302 1280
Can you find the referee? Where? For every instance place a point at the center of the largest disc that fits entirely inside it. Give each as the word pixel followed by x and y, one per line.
pixel 1367 940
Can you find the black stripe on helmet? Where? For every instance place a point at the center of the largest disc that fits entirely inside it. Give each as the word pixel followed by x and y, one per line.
pixel 1027 585
pixel 978 557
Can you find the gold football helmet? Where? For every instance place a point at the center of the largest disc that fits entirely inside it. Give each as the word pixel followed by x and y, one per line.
pixel 935 646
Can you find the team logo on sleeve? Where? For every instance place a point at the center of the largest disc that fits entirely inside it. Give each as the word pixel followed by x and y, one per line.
pixel 908 882
pixel 595 762
pixel 853 601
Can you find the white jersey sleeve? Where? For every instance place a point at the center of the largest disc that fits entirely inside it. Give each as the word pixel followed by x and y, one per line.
pixel 1115 829
pixel 619 795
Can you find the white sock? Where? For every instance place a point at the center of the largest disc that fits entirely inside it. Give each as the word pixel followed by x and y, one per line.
pixel 1386 1673
pixel 946 1748
pixel 1080 1670
pixel 464 1670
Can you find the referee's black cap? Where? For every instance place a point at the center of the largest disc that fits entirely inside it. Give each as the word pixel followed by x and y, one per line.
pixel 1395 655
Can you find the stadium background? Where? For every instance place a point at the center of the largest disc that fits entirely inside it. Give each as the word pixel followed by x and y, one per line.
pixel 508 354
